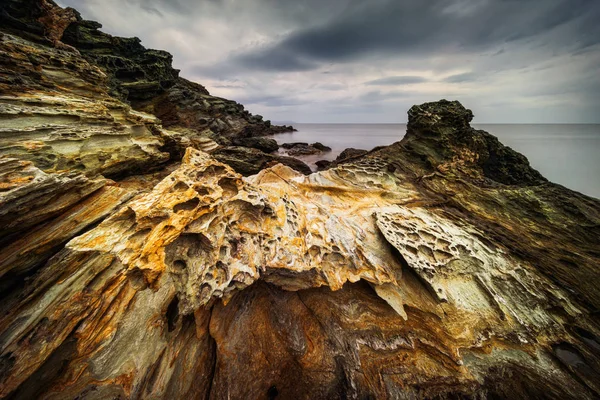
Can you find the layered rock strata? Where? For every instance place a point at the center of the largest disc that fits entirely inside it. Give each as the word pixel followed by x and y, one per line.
pixel 347 155
pixel 64 72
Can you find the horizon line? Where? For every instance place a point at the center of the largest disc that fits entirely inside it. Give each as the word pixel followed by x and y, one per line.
pixel 405 122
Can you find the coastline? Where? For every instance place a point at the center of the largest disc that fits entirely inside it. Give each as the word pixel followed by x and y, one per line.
pixel 565 153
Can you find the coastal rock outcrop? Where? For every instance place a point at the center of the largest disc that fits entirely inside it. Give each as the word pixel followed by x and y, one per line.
pixel 384 277
pixel 350 153
pixel 56 113
pixel 267 145
pixel 112 79
pixel 138 261
pixel 303 149
pixel 347 155
pixel 440 133
pixel 250 161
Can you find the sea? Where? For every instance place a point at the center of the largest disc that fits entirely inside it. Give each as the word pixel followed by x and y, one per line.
pixel 567 154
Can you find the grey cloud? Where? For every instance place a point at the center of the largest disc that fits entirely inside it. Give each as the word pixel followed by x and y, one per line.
pixel 226 86
pixel 332 86
pixel 587 87
pixel 151 10
pixel 413 26
pixel 461 78
pixel 176 5
pixel 271 100
pixel 396 80
pixel 378 96
pixel 280 59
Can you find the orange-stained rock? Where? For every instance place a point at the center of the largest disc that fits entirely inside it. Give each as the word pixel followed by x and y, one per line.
pixel 350 282
pixel 55 20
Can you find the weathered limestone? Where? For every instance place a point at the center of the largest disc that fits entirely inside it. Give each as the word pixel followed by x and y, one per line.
pixel 451 306
pixel 77 98
pixel 29 196
pixel 216 234
pixel 63 119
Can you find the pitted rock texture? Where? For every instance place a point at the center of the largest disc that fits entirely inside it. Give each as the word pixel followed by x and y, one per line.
pixel 347 283
pixel 454 260
pixel 216 234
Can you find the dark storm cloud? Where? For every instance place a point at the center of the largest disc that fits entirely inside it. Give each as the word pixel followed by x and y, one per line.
pixel 231 69
pixel 396 80
pixel 281 59
pixel 415 26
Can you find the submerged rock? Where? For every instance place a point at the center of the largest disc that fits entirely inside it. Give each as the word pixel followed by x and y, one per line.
pixel 321 146
pixel 442 266
pixel 350 153
pixel 248 161
pixel 304 149
pixel 261 143
pixel 322 165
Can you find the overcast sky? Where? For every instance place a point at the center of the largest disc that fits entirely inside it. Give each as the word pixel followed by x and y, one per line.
pixel 370 60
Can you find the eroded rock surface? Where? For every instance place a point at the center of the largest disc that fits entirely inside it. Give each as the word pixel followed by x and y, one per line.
pixel 250 161
pixel 442 266
pixel 376 278
pixel 347 155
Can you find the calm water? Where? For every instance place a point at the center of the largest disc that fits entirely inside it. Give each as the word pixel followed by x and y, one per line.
pixel 565 154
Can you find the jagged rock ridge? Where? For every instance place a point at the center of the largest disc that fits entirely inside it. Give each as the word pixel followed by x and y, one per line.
pixel 442 266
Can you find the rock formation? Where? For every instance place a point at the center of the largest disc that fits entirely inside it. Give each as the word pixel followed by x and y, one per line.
pixel 137 263
pixel 61 70
pixel 347 155
pixel 304 149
